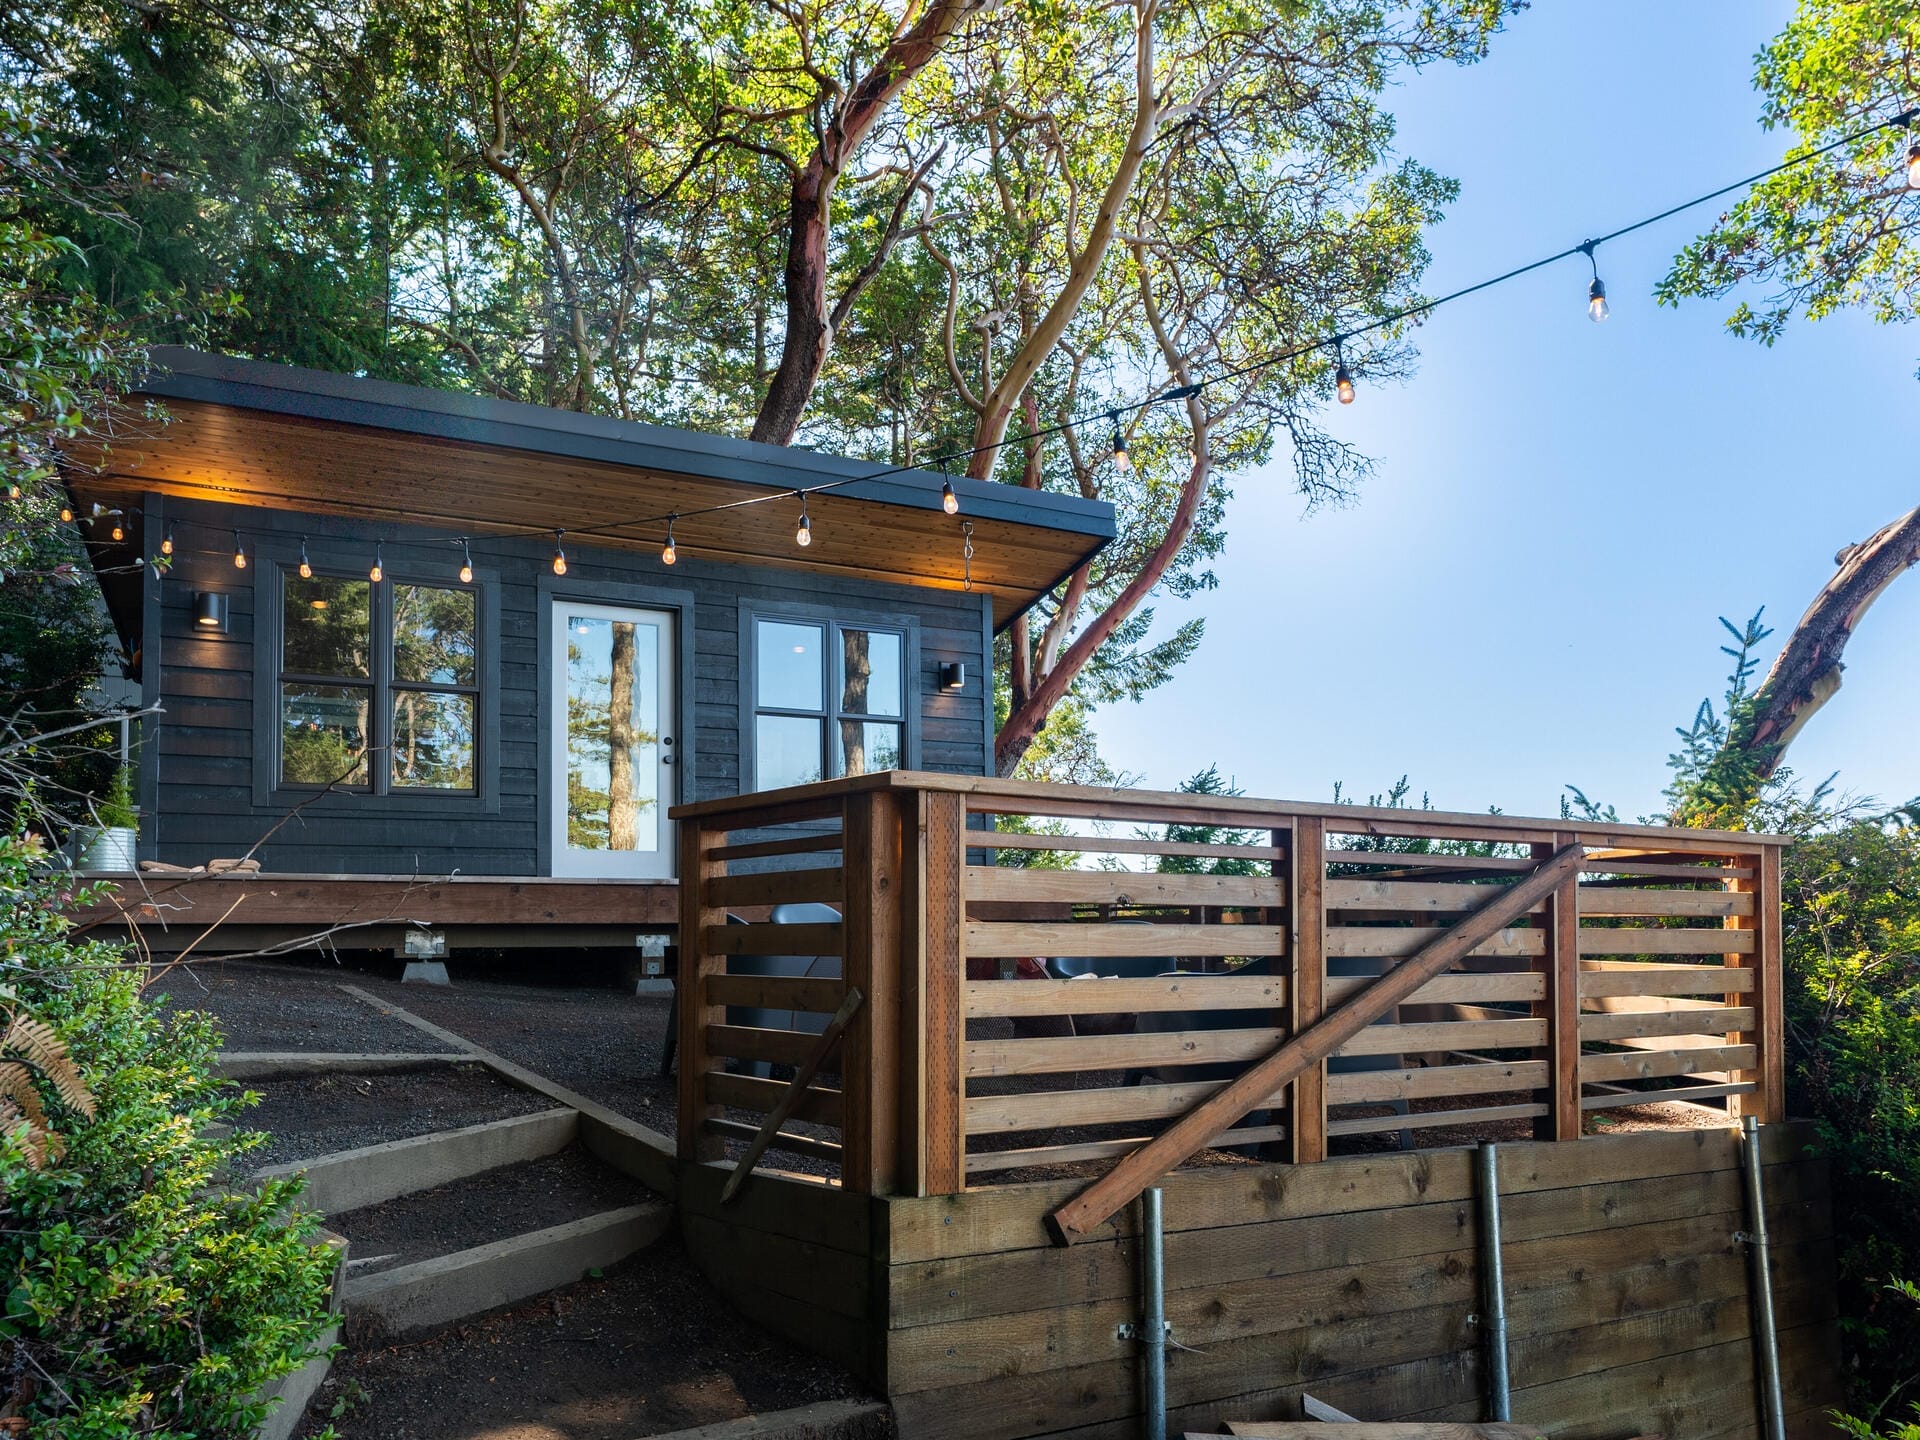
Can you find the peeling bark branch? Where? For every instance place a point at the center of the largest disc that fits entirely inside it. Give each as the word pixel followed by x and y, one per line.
pixel 1807 672
pixel 1087 259
pixel 1059 667
pixel 810 328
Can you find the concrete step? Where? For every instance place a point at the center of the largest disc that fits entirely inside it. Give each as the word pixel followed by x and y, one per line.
pixel 429 1293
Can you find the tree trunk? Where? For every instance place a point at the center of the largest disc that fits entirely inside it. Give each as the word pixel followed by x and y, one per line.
pixel 1807 672
pixel 1051 687
pixel 809 335
pixel 622 829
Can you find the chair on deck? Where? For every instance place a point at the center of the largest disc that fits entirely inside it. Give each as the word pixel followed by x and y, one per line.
pixel 819 967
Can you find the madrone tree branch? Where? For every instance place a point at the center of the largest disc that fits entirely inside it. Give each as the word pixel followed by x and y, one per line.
pixel 1807 671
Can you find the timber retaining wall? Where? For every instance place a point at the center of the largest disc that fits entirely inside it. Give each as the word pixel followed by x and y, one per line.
pixel 1357 1280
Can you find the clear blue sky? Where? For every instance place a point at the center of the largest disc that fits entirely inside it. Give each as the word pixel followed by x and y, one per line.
pixel 1526 594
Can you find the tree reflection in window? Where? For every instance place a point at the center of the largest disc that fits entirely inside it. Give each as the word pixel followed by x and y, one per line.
pixel 338 708
pixel 612 731
pixel 814 678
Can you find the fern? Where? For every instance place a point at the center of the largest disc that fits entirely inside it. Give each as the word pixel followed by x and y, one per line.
pixel 34 1043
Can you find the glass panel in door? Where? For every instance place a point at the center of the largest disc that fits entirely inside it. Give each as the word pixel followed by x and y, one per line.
pixel 612 741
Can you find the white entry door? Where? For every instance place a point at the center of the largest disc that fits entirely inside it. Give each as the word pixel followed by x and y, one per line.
pixel 612 741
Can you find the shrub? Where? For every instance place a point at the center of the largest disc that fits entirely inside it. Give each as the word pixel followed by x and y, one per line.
pixel 142 1298
pixel 1851 894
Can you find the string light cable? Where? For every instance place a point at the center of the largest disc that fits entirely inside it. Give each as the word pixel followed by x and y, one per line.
pixel 1336 342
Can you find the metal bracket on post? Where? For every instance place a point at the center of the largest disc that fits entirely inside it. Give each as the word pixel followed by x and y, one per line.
pixel 1760 1282
pixel 1153 1330
pixel 1494 1284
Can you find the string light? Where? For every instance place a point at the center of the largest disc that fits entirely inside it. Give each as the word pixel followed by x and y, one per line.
pixel 668 553
pixel 559 555
pixel 1596 292
pixel 239 552
pixel 119 531
pixel 1343 378
pixel 949 501
pixel 166 543
pixel 466 563
pixel 66 514
pixel 379 570
pixel 306 569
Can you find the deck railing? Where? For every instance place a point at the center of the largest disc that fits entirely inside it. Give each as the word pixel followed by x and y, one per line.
pixel 1203 932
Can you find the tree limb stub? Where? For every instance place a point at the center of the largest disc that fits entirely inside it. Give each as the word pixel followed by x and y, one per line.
pixel 1807 672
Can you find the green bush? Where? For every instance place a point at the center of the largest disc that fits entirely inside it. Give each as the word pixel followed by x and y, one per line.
pixel 1851 897
pixel 142 1298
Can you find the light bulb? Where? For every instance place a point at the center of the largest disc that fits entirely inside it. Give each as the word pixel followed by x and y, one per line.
pixel 1120 456
pixel 466 563
pixel 803 537
pixel 379 570
pixel 166 544
pixel 119 532
pixel 559 555
pixel 669 553
pixel 306 570
pixel 13 489
pixel 1343 384
pixel 949 501
pixel 1597 301
pixel 66 514
pixel 1913 166
pixel 239 552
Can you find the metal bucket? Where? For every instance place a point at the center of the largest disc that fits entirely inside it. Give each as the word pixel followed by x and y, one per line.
pixel 111 851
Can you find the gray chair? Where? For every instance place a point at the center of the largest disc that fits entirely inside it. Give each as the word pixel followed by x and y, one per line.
pixel 817 967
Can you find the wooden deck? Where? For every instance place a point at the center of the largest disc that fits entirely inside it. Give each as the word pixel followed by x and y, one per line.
pixel 232 914
pixel 976 1118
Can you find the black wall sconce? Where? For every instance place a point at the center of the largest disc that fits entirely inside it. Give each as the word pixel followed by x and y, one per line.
pixel 953 675
pixel 210 612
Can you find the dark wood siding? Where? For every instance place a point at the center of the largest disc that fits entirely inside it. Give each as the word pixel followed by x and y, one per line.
pixel 207 777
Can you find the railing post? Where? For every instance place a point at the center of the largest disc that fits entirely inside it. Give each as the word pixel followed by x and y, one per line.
pixel 697 962
pixel 1559 967
pixel 1768 1101
pixel 1306 987
pixel 870 934
pixel 943 1136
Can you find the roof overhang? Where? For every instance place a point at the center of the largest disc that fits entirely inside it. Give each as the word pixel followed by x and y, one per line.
pixel 245 432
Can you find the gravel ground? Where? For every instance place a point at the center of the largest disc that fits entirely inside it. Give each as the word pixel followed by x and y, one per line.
pixel 319 1114
pixel 644 1349
pixel 286 1006
pixel 513 1200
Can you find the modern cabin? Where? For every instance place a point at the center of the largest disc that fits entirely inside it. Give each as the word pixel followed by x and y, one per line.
pixel 409 643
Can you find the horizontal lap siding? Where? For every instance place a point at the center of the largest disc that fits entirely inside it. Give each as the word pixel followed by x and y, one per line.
pixel 204 746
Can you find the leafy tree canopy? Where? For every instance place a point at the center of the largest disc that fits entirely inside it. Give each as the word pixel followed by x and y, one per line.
pixel 1836 232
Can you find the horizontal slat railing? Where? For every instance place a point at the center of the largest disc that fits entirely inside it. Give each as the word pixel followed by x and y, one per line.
pixel 1206 931
pixel 754 994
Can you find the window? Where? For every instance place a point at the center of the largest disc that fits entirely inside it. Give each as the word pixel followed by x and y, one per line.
pixel 378 685
pixel 829 700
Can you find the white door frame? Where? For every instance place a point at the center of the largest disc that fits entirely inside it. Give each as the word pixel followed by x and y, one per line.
pixel 658 863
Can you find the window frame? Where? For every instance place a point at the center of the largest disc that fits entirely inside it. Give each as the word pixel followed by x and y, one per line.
pixel 278 559
pixel 832 620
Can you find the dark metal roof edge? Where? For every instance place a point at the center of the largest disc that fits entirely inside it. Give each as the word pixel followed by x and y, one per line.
pixel 1050 587
pixel 511 424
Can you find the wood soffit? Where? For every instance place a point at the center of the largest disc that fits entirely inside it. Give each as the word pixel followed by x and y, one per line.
pixel 889 529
